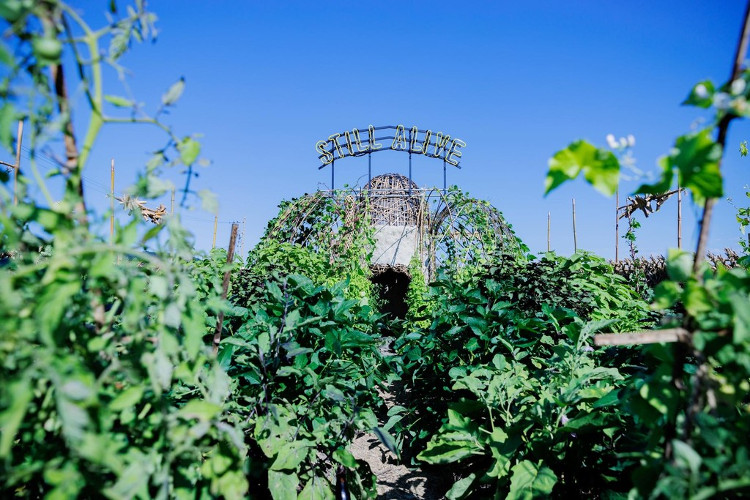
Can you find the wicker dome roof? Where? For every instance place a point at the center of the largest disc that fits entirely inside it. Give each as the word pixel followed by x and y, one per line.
pixel 394 200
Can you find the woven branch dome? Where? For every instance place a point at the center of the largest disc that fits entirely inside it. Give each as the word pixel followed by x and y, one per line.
pixel 394 200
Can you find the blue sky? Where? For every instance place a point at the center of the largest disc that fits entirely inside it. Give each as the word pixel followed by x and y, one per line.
pixel 516 81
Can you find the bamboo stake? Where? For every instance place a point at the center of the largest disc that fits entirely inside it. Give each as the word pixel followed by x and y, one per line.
pixel 575 236
pixel 679 217
pixel 216 223
pixel 549 216
pixel 171 203
pixel 225 285
pixel 242 237
pixel 617 226
pixel 112 202
pixel 17 169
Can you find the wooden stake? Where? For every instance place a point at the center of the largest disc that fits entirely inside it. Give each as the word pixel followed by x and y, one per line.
pixel 575 236
pixel 549 216
pixel 216 223
pixel 642 337
pixel 17 169
pixel 679 217
pixel 112 202
pixel 225 285
pixel 617 225
pixel 242 237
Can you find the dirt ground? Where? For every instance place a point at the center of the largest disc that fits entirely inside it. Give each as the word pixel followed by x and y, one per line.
pixel 396 481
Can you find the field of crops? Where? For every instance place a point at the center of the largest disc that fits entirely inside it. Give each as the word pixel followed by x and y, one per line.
pixel 130 371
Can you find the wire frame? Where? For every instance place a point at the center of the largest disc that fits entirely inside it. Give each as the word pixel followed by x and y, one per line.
pixel 394 200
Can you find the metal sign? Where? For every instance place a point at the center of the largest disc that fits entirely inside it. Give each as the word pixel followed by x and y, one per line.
pixel 412 141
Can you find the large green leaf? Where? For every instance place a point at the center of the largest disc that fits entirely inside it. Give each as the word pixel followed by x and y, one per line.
pixel 599 166
pixel 531 480
pixel 283 485
pixel 696 157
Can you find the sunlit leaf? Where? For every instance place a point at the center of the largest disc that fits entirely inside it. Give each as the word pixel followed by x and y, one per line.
pixel 600 167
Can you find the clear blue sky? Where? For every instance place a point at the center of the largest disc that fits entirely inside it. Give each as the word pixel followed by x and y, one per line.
pixel 515 80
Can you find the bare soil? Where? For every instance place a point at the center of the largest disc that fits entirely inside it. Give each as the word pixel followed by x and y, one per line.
pixel 395 480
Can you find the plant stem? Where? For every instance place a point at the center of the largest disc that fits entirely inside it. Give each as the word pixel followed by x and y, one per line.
pixel 721 140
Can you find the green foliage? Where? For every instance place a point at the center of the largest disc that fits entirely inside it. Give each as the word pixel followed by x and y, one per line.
pixel 743 219
pixel 696 157
pixel 600 167
pixel 694 429
pixel 306 371
pixel 336 235
pixel 106 386
pixel 502 349
pixel 688 401
pixel 419 305
pixel 466 233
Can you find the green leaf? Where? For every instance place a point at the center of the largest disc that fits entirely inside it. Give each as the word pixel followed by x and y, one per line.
pixel 461 487
pixel 209 201
pixel 741 317
pixel 701 95
pixel 200 409
pixel 387 440
pixel 189 150
pixel 7 116
pixel 127 399
pixel 118 101
pixel 696 299
pixel 531 481
pixel 291 455
pixel 599 166
pixel 697 159
pixel 685 454
pixel 316 488
pixel 679 265
pixel 345 458
pixel 666 294
pixel 663 184
pixel 10 419
pixel 174 93
pixel 283 485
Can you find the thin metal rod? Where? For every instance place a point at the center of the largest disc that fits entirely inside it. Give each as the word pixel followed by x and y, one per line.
pixel 225 285
pixel 333 177
pixel 445 178
pixel 369 170
pixel 409 172
pixel 112 202
pixel 17 169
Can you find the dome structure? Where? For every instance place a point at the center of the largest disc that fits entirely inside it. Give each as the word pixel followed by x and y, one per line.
pixel 394 200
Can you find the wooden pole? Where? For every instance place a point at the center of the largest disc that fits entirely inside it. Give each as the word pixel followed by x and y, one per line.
pixel 575 236
pixel 617 225
pixel 216 223
pixel 242 237
pixel 679 217
pixel 112 202
pixel 17 169
pixel 225 285
pixel 549 216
